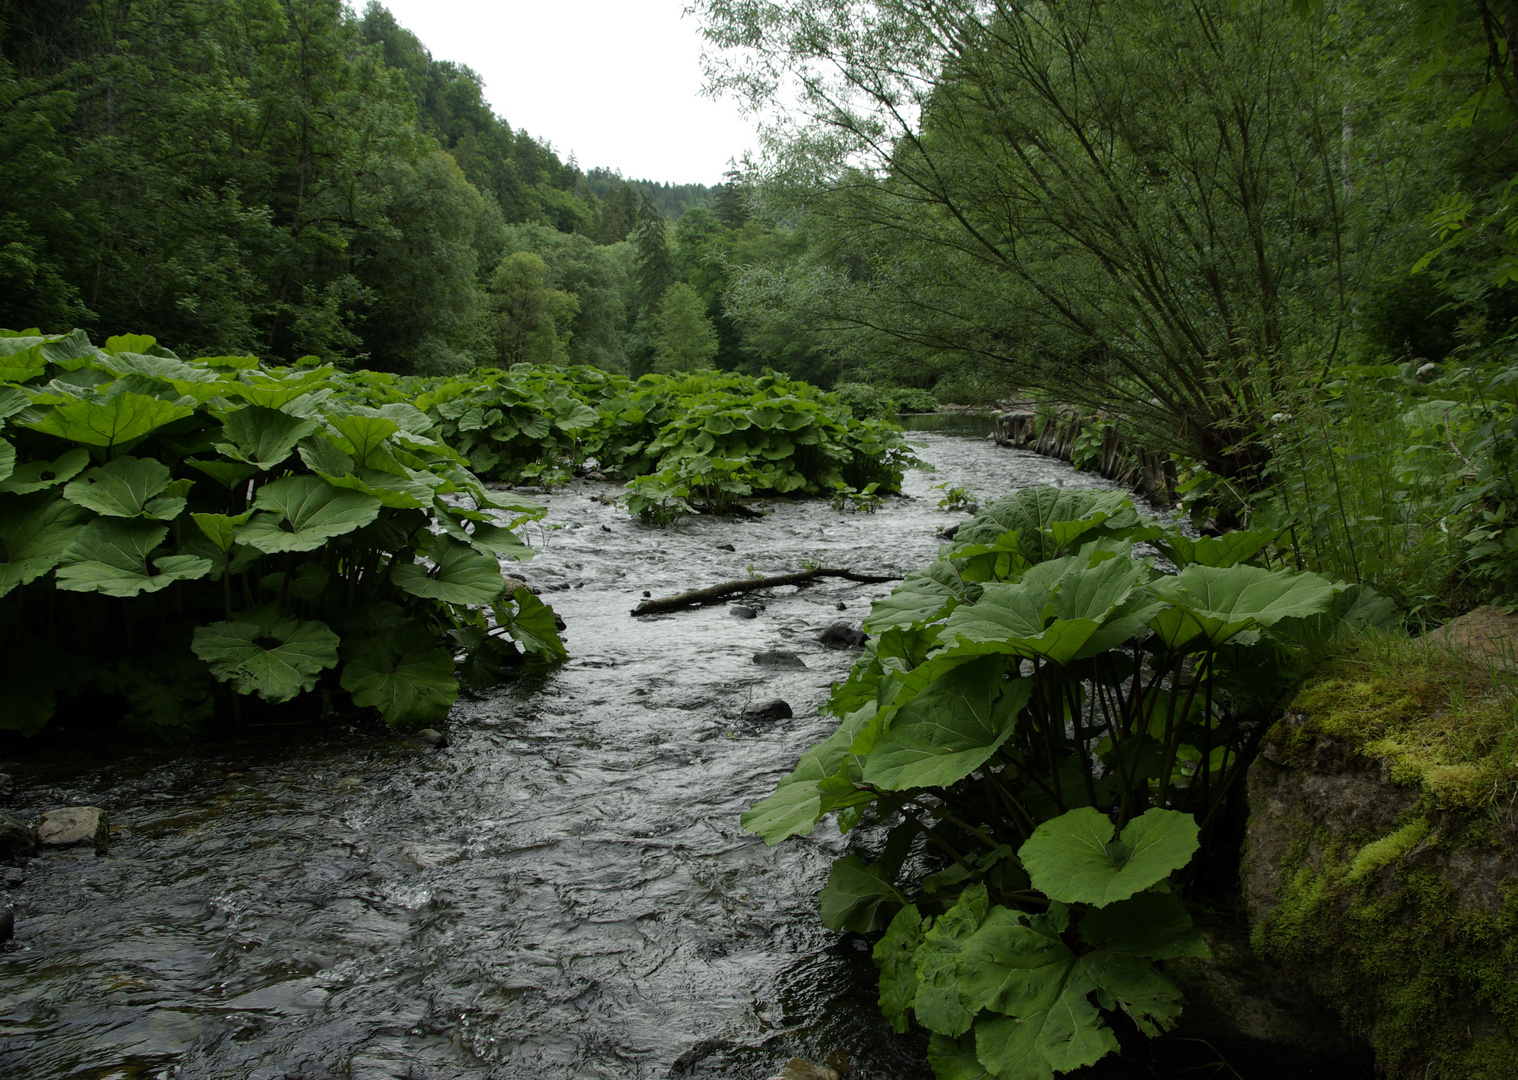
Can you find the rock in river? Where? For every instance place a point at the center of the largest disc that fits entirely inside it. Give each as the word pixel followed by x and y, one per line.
pixel 773 709
pixel 742 611
pixel 842 636
pixel 16 840
pixel 778 658
pixel 75 825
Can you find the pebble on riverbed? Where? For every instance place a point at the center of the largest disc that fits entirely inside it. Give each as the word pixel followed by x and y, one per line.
pixel 743 611
pixel 73 826
pixel 778 658
pixel 432 737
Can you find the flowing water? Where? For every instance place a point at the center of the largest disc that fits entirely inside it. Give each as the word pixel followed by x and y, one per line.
pixel 564 891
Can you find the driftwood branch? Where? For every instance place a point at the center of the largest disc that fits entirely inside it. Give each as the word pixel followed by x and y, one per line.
pixel 715 594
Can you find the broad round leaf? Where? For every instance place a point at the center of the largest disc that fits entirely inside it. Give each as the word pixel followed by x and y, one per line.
pixel 1073 859
pixel 458 574
pixel 301 513
pixel 37 475
pixel 263 437
pixel 113 556
pixel 122 488
pixel 122 418
pixel 35 531
pixel 261 652
pixel 409 678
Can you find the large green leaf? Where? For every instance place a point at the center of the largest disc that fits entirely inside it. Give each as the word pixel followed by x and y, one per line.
pixel 229 474
pixel 126 488
pixel 857 897
pixel 937 1001
pixel 301 513
pixel 221 529
pixel 1151 925
pixel 1066 1035
pixel 36 475
pixel 406 675
pixel 955 1059
pixel 458 575
pixel 532 625
pixel 1009 967
pixel 896 957
pixel 263 437
pixel 1050 520
pixel 1230 549
pixel 797 804
pixel 114 556
pixel 948 730
pixel 1073 858
pixel 35 531
pixel 364 438
pixel 7 460
pixel 120 419
pixel 264 652
pixel 1215 603
pixel 922 597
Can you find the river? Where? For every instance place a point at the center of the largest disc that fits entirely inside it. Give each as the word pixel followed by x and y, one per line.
pixel 564 891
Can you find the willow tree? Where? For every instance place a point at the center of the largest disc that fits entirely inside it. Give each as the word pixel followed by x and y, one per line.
pixel 1139 206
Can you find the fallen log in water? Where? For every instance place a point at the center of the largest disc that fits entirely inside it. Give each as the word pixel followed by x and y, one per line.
pixel 715 594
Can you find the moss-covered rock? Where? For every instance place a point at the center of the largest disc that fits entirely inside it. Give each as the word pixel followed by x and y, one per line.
pixel 1381 866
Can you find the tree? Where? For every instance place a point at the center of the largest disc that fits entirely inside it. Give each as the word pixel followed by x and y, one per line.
pixel 599 276
pixel 1137 206
pixel 529 319
pixel 683 337
pixel 655 262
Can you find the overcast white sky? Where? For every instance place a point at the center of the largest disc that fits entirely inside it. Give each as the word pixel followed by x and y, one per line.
pixel 615 82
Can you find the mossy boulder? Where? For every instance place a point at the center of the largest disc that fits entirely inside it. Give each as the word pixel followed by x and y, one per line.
pixel 1381 865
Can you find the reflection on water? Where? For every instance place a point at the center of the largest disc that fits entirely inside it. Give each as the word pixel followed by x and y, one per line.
pixel 563 892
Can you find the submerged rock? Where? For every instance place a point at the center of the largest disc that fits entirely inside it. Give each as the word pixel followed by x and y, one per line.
pixel 774 709
pixel 432 737
pixel 17 840
pixel 843 636
pixel 72 826
pixel 742 611
pixel 778 658
pixel 7 925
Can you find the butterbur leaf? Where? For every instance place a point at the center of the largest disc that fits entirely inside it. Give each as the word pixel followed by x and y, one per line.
pixel 1009 967
pixel 458 574
pixel 7 460
pixel 1073 859
pixel 229 474
pixel 301 513
pixel 1154 926
pixel 937 1001
pixel 1219 602
pixel 922 597
pixel 895 956
pixel 796 805
pixel 114 556
pixel 948 730
pixel 39 475
pixel 1132 984
pixel 366 437
pixel 406 675
pixel 955 1059
pixel 121 419
pixel 122 488
pixel 307 583
pixel 263 437
pixel 857 897
pixel 1230 549
pixel 1066 1036
pixel 35 531
pixel 262 652
pixel 221 529
pixel 532 625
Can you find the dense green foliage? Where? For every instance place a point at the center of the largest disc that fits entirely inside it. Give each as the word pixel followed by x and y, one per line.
pixel 1037 683
pixel 694 441
pixel 167 525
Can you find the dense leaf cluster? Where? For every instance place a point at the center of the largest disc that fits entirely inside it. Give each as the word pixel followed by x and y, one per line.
pixel 166 523
pixel 686 442
pixel 1041 680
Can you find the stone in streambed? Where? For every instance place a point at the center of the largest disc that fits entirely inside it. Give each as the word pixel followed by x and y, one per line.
pixel 7 786
pixel 765 711
pixel 802 1069
pixel 17 841
pixel 7 925
pixel 778 658
pixel 72 826
pixel 726 547
pixel 432 737
pixel 743 611
pixel 842 636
